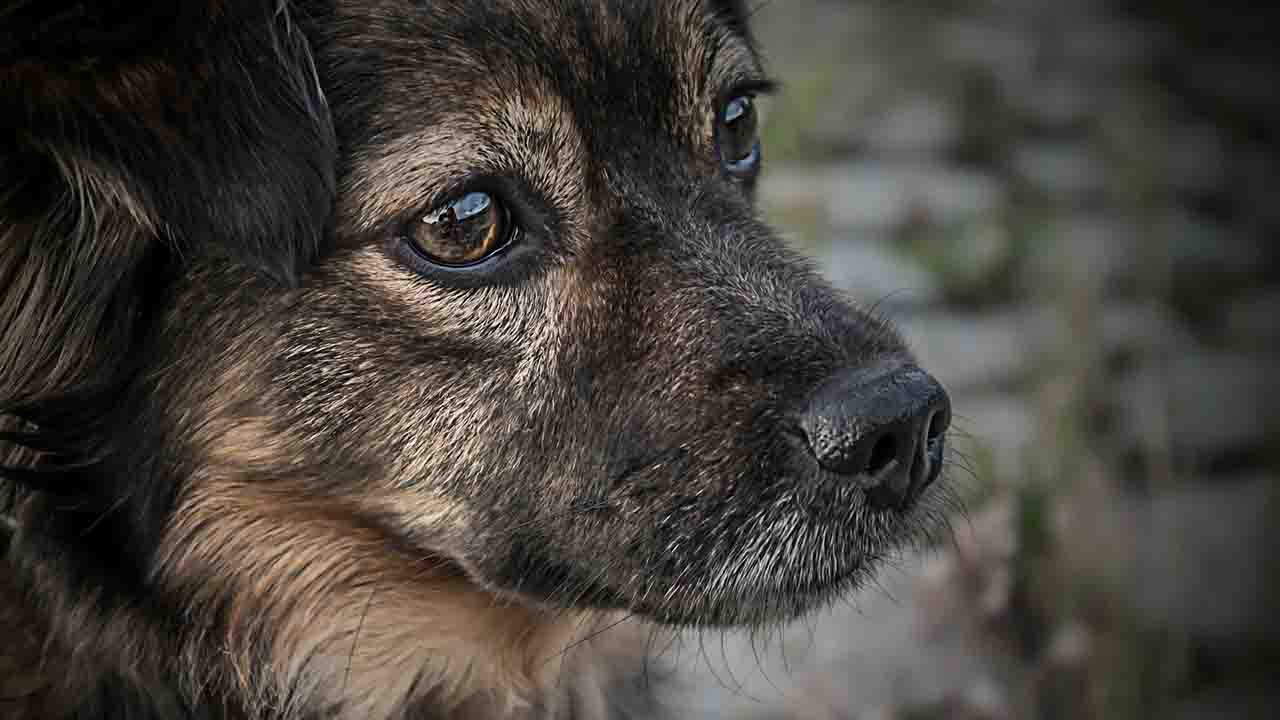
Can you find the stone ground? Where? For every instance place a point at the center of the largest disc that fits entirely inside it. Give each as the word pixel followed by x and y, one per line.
pixel 1070 208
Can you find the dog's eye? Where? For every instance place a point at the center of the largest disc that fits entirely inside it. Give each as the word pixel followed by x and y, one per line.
pixel 738 137
pixel 463 231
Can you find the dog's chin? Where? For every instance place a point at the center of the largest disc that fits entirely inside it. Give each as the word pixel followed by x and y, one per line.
pixel 759 605
pixel 714 599
pixel 785 570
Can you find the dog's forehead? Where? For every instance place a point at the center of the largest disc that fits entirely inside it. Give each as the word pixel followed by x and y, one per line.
pixel 654 59
pixel 426 92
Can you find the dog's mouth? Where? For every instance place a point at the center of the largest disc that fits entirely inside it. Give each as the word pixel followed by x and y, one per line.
pixel 754 511
pixel 773 548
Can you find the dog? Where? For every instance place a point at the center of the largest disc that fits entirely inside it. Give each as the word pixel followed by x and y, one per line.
pixel 415 360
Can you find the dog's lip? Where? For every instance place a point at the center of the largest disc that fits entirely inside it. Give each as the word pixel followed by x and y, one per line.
pixel 829 503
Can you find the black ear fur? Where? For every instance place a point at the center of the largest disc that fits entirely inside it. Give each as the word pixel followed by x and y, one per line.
pixel 78 31
pixel 208 116
pixel 134 137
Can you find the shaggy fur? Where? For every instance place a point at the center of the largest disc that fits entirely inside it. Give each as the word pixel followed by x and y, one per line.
pixel 261 459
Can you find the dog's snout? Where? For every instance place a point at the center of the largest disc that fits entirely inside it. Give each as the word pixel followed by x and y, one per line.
pixel 884 427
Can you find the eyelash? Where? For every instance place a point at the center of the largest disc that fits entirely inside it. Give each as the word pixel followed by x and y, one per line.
pixel 753 87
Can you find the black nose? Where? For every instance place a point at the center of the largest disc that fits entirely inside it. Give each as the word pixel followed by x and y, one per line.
pixel 885 426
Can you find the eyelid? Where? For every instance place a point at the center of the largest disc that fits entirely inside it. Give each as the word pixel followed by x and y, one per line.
pixel 749 87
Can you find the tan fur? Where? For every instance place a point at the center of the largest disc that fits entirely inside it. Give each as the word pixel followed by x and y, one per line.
pixel 350 614
pixel 488 134
pixel 345 610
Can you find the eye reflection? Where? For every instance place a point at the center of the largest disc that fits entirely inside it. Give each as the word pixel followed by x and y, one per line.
pixel 736 109
pixel 470 205
pixel 462 232
pixel 738 137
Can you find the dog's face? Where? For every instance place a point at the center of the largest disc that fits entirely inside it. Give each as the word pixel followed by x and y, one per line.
pixel 552 343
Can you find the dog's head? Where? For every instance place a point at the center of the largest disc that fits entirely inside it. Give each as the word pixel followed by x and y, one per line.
pixel 556 339
pixel 550 353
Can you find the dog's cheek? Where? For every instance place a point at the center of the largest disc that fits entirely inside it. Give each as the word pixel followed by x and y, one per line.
pixel 421 386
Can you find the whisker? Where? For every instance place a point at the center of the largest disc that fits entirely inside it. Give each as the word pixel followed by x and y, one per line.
pixel 588 638
pixel 346 678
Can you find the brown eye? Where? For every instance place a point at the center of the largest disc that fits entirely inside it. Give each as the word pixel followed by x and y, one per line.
pixel 462 232
pixel 738 137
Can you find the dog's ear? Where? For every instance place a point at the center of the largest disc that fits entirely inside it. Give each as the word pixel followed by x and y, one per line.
pixel 136 136
pixel 208 112
pixel 82 31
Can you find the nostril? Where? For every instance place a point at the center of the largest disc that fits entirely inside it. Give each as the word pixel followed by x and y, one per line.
pixel 937 426
pixel 883 454
pixel 940 418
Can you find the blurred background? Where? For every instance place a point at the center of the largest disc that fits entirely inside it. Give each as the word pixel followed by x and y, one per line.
pixel 1072 208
